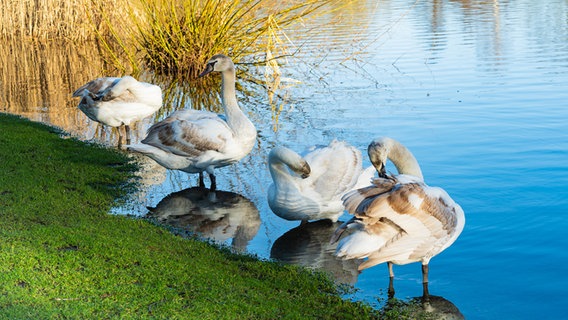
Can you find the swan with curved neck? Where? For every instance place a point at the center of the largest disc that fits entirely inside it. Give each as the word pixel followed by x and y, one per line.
pixel 311 187
pixel 118 102
pixel 399 219
pixel 197 141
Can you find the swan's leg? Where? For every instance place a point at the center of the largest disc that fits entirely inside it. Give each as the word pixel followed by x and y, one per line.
pixel 390 291
pixel 425 293
pixel 201 181
pixel 127 133
pixel 213 182
pixel 119 137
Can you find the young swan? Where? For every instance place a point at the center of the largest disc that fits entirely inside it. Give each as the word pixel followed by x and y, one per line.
pixel 119 102
pixel 310 188
pixel 399 219
pixel 195 141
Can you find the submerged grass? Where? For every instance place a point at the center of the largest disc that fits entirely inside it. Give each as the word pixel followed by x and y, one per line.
pixel 63 256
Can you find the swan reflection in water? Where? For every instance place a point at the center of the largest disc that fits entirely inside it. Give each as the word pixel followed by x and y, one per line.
pixel 308 245
pixel 215 215
pixel 435 307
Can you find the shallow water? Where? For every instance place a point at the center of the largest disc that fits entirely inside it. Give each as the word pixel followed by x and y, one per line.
pixel 476 89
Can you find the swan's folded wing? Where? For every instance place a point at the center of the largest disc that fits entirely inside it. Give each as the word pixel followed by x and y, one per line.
pixel 190 134
pixel 335 168
pixel 358 201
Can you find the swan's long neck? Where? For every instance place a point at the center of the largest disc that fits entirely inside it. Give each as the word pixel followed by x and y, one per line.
pixel 404 160
pixel 279 160
pixel 236 119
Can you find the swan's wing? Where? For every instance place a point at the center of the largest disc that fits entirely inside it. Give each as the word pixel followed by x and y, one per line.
pixel 358 201
pixel 428 218
pixel 190 133
pixel 335 168
pixel 96 86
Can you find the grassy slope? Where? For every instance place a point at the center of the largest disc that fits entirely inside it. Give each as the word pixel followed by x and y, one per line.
pixel 62 255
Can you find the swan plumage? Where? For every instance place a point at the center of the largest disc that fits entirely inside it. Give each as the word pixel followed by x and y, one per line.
pixel 195 141
pixel 311 187
pixel 118 102
pixel 398 219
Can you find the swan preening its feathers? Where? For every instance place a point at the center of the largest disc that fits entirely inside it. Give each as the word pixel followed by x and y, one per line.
pixel 118 101
pixel 311 187
pixel 398 219
pixel 196 141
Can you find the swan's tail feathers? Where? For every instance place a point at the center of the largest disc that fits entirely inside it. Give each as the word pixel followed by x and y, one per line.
pixel 358 245
pixel 340 230
pixel 140 148
pixel 373 260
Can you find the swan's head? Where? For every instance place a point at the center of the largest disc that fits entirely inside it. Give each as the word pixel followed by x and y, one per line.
pixel 219 63
pixel 283 155
pixel 378 151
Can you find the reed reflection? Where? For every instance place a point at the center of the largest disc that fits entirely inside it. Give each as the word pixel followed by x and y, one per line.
pixel 308 245
pixel 215 215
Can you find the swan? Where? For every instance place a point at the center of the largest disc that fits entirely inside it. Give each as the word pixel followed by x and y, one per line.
pixel 310 188
pixel 118 102
pixel 399 219
pixel 195 141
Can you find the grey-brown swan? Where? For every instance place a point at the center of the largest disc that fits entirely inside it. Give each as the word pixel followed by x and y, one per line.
pixel 197 141
pixel 399 219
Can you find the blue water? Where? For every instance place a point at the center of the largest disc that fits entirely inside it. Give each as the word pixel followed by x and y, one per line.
pixel 478 90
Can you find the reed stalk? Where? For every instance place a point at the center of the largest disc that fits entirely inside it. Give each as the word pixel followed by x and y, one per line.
pixel 57 19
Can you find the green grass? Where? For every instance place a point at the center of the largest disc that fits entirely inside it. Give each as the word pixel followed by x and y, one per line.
pixel 63 256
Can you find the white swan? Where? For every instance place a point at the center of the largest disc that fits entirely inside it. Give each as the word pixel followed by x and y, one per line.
pixel 399 219
pixel 195 141
pixel 118 101
pixel 311 188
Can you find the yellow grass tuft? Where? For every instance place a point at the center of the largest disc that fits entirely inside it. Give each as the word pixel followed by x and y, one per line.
pixel 177 37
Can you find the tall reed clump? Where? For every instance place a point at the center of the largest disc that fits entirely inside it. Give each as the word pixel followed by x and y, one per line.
pixel 177 37
pixel 57 19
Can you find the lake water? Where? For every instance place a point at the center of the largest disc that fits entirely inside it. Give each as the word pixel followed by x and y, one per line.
pixel 478 90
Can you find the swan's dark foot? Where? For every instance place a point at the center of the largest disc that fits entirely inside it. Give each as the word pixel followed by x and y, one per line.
pixel 213 182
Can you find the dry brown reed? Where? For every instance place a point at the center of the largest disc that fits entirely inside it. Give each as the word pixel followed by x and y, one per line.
pixel 58 19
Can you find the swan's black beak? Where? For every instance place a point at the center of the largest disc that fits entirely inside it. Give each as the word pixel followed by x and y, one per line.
pixel 208 69
pixel 306 170
pixel 382 172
